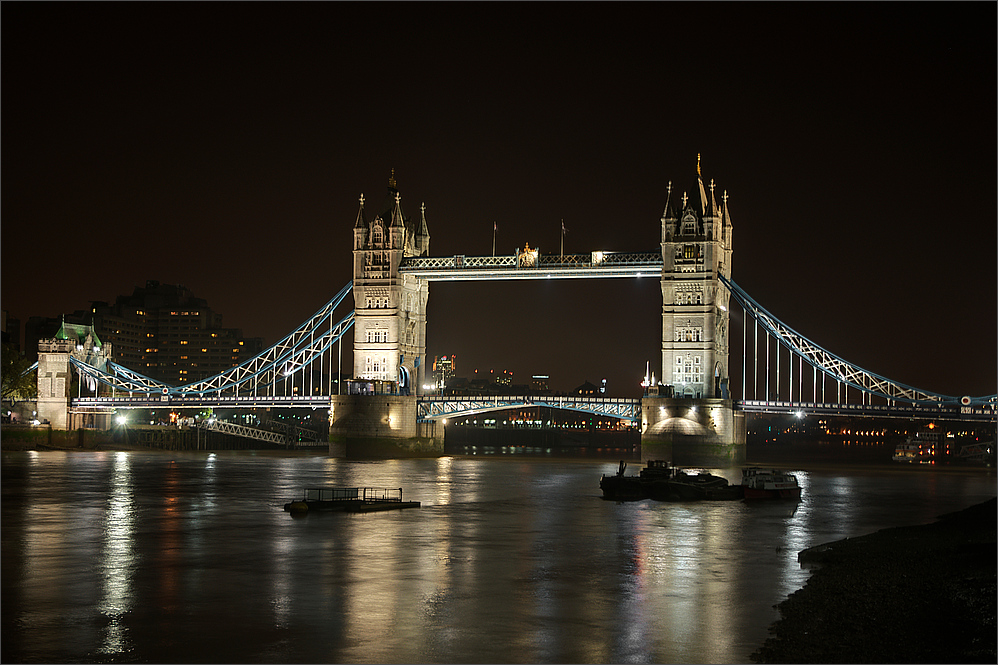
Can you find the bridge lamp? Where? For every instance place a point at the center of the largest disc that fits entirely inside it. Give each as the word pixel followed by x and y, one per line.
pixel 799 414
pixel 121 420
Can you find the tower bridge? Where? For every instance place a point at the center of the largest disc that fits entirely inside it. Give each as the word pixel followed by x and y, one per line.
pixel 693 410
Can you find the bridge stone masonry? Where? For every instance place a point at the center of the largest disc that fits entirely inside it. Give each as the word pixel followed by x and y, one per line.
pixel 689 418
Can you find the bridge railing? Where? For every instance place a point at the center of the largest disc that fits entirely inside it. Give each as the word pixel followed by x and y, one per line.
pixel 591 260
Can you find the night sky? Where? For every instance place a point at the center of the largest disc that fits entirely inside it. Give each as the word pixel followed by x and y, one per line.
pixel 225 146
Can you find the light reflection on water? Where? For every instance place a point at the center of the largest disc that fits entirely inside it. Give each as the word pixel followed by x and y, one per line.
pixel 173 557
pixel 116 559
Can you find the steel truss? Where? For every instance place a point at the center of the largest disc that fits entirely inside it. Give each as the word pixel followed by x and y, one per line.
pixel 539 266
pixel 289 356
pixel 834 366
pixel 433 408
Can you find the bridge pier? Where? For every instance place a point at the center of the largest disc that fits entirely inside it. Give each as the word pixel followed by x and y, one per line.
pixel 692 432
pixel 381 426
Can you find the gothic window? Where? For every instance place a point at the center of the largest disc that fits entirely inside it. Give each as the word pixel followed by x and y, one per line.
pixel 377 236
pixel 688 369
pixel 689 225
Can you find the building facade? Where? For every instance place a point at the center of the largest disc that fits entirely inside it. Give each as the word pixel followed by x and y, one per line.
pixel 696 248
pixel 166 333
pixel 390 307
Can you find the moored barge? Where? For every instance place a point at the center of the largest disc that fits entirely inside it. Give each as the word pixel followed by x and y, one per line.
pixel 663 482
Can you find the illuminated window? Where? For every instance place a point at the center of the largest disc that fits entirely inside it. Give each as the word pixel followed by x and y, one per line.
pixel 183 341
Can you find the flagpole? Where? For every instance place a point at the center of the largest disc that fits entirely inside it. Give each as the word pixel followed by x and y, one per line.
pixel 493 238
pixel 562 238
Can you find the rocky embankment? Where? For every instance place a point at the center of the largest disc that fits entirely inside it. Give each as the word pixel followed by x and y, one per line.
pixel 913 594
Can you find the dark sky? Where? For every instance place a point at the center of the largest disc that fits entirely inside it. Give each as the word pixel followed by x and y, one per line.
pixel 224 147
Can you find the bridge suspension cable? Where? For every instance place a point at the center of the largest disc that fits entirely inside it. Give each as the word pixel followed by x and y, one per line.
pixel 830 364
pixel 282 360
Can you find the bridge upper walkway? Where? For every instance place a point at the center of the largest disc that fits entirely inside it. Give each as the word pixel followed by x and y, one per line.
pixel 533 265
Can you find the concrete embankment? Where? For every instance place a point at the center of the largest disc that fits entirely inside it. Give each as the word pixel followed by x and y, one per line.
pixel 911 594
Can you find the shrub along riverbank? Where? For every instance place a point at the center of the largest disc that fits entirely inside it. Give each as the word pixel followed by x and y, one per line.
pixel 912 594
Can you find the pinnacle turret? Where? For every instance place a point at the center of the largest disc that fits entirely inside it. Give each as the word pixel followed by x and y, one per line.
pixel 361 222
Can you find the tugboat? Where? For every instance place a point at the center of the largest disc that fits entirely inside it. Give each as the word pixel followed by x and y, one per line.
pixel 661 481
pixel 769 484
pixel 623 488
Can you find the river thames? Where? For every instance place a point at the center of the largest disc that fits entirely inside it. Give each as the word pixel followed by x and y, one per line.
pixel 189 557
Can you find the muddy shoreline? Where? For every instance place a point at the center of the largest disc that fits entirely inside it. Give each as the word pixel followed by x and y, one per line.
pixel 910 594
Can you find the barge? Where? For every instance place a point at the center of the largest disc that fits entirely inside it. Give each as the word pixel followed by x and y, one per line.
pixel 349 500
pixel 663 482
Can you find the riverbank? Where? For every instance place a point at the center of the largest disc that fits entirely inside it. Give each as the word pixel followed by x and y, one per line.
pixel 911 594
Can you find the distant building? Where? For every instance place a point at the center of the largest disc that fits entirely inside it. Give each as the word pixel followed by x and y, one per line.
pixel 11 330
pixel 168 334
pixel 540 383
pixel 587 389
pixel 162 331
pixel 443 370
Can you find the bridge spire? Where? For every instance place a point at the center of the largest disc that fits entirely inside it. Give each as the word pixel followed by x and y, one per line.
pixel 361 222
pixel 422 244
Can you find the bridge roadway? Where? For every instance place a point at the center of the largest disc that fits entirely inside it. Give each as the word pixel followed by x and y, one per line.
pixel 431 408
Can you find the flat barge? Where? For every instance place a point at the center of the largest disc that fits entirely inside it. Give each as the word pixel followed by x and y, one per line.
pixel 349 500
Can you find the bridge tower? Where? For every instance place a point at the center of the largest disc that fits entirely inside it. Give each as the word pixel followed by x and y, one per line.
pixel 691 419
pixel 696 248
pixel 389 344
pixel 390 324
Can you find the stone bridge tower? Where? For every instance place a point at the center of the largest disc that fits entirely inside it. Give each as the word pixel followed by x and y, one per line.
pixel 692 420
pixel 696 248
pixel 390 308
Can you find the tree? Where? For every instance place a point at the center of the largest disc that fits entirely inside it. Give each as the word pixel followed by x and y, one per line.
pixel 17 382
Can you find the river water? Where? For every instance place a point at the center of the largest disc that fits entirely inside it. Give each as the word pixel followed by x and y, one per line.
pixel 190 557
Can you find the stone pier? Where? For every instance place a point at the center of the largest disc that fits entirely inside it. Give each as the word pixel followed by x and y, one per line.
pixel 381 426
pixel 692 432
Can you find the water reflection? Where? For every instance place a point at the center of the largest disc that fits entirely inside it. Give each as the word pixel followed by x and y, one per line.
pixel 506 560
pixel 117 559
